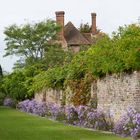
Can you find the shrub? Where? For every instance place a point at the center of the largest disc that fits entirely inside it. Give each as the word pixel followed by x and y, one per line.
pixel 129 124
pixel 32 106
pixel 96 119
pixel 9 102
pixel 52 78
pixel 2 96
pixel 56 112
pixel 14 87
pixel 71 115
pixel 87 117
pixel 80 116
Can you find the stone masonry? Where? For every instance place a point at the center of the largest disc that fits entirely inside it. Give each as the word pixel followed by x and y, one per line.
pixel 117 93
pixel 49 96
pixel 114 94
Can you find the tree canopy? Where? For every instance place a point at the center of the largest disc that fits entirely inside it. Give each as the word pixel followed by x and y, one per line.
pixel 30 41
pixel 36 46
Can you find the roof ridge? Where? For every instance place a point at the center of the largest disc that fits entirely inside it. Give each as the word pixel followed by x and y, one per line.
pixel 73 35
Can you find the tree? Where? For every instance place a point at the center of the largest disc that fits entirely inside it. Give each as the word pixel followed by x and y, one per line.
pixel 56 56
pixel 1 73
pixel 127 44
pixel 30 41
pixel 85 28
pixel 13 85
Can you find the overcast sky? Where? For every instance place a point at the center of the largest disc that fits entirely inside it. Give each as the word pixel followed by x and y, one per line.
pixel 110 15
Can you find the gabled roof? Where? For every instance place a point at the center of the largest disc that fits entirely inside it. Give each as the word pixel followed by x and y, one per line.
pixel 73 36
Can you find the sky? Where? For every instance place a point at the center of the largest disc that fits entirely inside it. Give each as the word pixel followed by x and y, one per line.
pixel 110 15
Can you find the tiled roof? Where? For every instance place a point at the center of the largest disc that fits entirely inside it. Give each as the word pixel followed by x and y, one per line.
pixel 73 36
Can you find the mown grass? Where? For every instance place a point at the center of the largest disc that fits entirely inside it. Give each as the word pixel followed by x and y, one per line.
pixel 15 125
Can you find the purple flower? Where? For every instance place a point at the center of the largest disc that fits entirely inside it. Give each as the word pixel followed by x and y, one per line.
pixel 81 115
pixel 129 124
pixel 71 115
pixel 32 106
pixel 8 102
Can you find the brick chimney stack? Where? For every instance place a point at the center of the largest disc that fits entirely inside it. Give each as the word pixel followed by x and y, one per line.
pixel 60 21
pixel 93 28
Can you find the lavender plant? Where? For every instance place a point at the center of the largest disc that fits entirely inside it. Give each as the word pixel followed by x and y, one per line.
pixel 8 102
pixel 71 115
pixel 32 106
pixel 82 112
pixel 129 124
pixel 56 112
pixel 96 119
pixel 81 115
pixel 87 117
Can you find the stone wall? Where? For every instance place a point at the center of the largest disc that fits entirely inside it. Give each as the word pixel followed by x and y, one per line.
pixel 49 95
pixel 116 93
pixel 39 97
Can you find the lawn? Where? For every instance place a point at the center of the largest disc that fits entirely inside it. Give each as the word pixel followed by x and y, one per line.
pixel 15 125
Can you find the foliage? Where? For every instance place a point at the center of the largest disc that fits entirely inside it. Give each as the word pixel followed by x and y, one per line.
pixel 9 102
pixel 52 78
pixel 81 91
pixel 81 115
pixel 55 56
pixel 119 54
pixel 14 87
pixel 32 77
pixel 32 106
pixel 109 55
pixel 2 97
pixel 2 94
pixel 72 115
pixel 96 119
pixel 79 79
pixel 78 67
pixel 17 85
pixel 85 28
pixel 127 45
pixel 33 43
pixel 129 124
pixel 99 58
pixel 1 73
pixel 30 72
pixel 30 40
pixel 56 112
pixel 87 117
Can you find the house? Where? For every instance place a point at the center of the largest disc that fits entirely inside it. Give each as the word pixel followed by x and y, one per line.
pixel 70 37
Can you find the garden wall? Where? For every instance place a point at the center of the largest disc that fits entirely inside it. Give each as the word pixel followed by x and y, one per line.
pixel 114 94
pixel 50 95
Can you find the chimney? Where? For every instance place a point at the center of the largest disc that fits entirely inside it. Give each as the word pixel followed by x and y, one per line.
pixel 93 28
pixel 60 21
